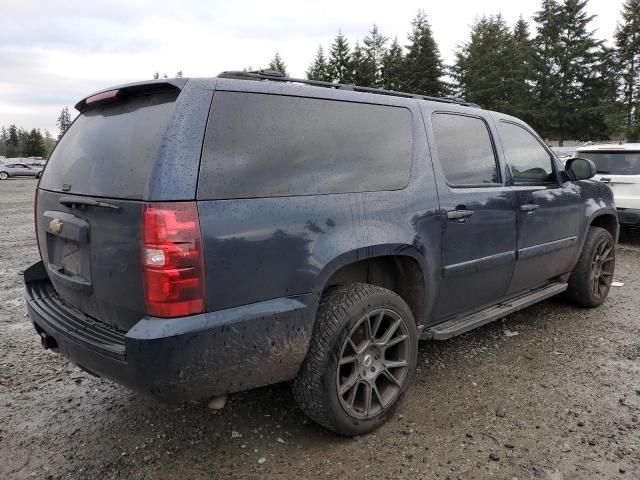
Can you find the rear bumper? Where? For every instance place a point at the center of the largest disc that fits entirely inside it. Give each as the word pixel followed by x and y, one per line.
pixel 188 358
pixel 629 216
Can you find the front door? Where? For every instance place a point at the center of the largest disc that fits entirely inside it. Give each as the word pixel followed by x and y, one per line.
pixel 548 209
pixel 478 215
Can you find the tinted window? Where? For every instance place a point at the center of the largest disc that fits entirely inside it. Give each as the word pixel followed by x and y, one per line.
pixel 527 158
pixel 465 150
pixel 614 163
pixel 269 145
pixel 109 150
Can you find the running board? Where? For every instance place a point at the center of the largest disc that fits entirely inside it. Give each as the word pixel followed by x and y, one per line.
pixel 454 327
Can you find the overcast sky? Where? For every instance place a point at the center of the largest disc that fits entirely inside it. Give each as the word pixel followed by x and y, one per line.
pixel 54 52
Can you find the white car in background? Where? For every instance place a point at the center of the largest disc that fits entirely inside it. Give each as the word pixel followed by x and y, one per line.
pixel 619 167
pixel 564 153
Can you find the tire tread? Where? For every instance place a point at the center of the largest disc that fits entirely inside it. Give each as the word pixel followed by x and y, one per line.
pixel 578 293
pixel 308 388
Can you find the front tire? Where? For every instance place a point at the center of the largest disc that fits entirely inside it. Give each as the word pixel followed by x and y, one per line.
pixel 4 175
pixel 361 360
pixel 591 279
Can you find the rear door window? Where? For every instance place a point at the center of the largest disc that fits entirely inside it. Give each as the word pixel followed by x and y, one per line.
pixel 614 163
pixel 109 150
pixel 259 145
pixel 465 150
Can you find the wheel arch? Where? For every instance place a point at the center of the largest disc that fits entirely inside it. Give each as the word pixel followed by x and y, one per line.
pixel 399 268
pixel 606 220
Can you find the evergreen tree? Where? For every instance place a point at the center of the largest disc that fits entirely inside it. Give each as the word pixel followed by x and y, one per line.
pixel 23 142
pixel 35 144
pixel 375 48
pixel 627 56
pixel 156 75
pixel 522 74
pixel 63 122
pixel 4 136
pixel 319 69
pixel 393 67
pixel 483 66
pixel 13 142
pixel 363 68
pixel 179 74
pixel 423 65
pixel 340 60
pixel 569 83
pixel 612 107
pixel 278 64
pixel 49 143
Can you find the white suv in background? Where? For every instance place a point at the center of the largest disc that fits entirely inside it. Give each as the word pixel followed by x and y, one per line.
pixel 619 167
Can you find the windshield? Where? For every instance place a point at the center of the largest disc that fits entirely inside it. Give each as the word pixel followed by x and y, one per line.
pixel 614 163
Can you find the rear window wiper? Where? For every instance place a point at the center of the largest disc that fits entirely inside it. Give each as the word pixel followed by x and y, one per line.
pixel 86 202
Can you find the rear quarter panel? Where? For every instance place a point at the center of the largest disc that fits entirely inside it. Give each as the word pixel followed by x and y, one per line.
pixel 263 248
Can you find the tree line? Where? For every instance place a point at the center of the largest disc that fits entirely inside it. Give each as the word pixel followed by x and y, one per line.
pixel 560 78
pixel 564 81
pixel 19 142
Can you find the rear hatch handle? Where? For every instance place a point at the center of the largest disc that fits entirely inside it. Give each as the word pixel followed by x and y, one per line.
pixel 86 202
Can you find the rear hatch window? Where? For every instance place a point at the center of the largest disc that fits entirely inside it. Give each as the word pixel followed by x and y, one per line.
pixel 614 163
pixel 109 149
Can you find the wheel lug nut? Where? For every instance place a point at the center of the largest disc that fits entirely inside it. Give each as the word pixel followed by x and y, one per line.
pixel 373 369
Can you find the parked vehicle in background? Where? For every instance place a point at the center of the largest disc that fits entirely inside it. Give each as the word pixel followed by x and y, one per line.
pixel 206 236
pixel 564 153
pixel 8 170
pixel 619 167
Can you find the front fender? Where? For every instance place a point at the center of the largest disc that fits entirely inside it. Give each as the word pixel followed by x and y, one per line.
pixel 597 201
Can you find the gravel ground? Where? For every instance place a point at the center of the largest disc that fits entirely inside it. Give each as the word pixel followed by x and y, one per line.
pixel 559 400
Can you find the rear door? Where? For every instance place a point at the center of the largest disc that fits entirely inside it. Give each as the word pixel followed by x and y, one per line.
pixel 478 214
pixel 549 211
pixel 89 204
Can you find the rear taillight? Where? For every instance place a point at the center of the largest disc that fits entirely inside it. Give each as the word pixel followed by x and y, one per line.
pixel 35 220
pixel 172 260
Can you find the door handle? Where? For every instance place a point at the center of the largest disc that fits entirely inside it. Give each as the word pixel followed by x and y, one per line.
pixel 460 215
pixel 529 208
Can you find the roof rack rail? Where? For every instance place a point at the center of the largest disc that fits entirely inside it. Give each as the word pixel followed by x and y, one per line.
pixel 276 76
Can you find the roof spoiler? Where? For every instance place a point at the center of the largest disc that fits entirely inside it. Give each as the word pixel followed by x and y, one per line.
pixel 121 92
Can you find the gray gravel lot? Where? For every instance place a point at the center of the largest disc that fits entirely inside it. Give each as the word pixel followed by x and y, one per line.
pixel 559 400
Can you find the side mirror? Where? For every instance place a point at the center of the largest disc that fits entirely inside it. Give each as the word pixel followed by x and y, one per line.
pixel 580 169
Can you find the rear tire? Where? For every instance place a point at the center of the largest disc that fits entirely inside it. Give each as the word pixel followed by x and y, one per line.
pixel 361 360
pixel 591 278
pixel 4 175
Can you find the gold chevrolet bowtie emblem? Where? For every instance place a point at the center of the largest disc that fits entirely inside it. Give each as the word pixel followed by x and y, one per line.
pixel 55 226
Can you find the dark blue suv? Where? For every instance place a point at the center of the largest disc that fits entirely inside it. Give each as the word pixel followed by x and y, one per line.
pixel 206 236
